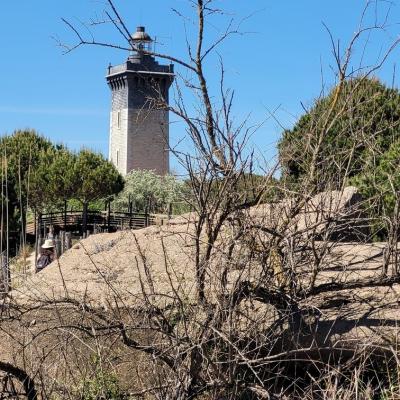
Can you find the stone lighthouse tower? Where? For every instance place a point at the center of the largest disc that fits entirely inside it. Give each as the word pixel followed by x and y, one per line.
pixel 139 124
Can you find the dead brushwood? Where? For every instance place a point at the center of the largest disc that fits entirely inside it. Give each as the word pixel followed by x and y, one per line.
pixel 241 298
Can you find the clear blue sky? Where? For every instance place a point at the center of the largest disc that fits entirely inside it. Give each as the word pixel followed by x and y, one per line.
pixel 277 64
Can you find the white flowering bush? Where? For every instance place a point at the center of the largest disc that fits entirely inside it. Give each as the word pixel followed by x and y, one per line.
pixel 147 190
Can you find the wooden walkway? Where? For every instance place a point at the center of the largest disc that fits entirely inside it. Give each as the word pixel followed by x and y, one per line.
pixel 96 221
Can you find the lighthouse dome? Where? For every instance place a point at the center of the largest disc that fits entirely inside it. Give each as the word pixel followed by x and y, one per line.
pixel 141 35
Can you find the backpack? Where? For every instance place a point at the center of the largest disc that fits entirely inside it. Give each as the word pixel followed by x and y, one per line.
pixel 44 261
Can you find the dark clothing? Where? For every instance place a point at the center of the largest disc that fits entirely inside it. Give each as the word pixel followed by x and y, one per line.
pixel 44 260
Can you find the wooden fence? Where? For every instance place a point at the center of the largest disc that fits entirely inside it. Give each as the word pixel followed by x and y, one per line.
pixel 93 222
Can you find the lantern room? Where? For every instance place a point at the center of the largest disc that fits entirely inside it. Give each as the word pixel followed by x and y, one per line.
pixel 141 40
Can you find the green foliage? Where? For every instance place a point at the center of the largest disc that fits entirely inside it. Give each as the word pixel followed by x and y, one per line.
pixel 62 170
pixel 102 385
pixel 97 205
pixel 62 175
pixel 42 176
pixel 145 188
pixel 50 181
pixel 381 185
pixel 355 125
pixel 21 154
pixel 94 177
pixel 250 186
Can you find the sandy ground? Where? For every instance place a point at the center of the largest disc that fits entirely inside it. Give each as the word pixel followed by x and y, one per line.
pixel 109 270
pixel 104 264
pixel 105 269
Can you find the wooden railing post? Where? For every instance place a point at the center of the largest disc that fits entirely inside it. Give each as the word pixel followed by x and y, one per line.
pixel 65 215
pixel 38 233
pixel 87 222
pixel 169 210
pixel 58 245
pixel 108 216
pixel 44 229
pixel 146 217
pixel 68 240
pixel 84 219
pixel 62 240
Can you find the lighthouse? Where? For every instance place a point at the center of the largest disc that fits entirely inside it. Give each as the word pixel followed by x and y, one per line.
pixel 139 121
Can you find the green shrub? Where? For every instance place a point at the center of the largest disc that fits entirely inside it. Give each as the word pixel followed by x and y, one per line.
pixel 103 385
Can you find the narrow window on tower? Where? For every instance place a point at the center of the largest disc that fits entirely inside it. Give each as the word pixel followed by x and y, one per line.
pixel 117 157
pixel 119 119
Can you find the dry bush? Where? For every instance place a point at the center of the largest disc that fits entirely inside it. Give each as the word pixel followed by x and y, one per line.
pixel 250 306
